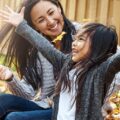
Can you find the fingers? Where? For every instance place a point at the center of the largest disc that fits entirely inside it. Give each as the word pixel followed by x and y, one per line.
pixel 4 12
pixel 7 12
pixel 5 15
pixel 5 73
pixel 2 72
pixel 9 9
pixel 4 18
pixel 22 11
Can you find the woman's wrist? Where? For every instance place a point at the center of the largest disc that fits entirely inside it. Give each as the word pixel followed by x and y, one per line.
pixel 10 79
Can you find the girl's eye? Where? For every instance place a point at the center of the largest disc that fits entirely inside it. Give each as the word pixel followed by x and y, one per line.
pixel 81 39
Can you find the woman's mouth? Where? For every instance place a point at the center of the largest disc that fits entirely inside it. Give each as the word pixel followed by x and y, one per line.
pixel 54 27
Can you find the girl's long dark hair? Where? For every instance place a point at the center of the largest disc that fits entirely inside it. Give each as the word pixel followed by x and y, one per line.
pixel 103 44
pixel 24 55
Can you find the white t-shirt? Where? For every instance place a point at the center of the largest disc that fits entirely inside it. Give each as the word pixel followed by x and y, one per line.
pixel 67 106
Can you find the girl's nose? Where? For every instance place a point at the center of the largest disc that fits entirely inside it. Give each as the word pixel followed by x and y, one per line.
pixel 74 43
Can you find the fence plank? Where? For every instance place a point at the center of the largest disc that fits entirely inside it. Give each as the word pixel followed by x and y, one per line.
pixel 103 11
pixel 1 6
pixel 116 16
pixel 92 10
pixel 80 10
pixel 64 4
pixel 70 10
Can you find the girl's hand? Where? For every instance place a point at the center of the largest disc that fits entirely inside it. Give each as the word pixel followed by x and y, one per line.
pixel 9 16
pixel 5 73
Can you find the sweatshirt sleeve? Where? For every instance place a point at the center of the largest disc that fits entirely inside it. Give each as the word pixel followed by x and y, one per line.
pixel 21 88
pixel 56 57
pixel 112 68
pixel 114 63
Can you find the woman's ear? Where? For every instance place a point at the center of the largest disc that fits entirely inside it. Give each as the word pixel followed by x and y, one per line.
pixel 59 9
pixel 35 27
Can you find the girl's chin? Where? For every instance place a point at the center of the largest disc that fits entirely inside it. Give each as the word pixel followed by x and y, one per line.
pixel 74 60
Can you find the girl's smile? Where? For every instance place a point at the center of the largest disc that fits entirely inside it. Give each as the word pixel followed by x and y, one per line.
pixel 80 47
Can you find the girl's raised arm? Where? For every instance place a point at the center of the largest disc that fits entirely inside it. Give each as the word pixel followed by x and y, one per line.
pixel 114 65
pixel 56 57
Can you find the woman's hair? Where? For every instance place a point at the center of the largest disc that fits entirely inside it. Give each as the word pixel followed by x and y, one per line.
pixel 68 26
pixel 103 44
pixel 24 55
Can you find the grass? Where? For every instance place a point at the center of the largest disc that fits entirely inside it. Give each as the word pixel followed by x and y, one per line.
pixel 2 57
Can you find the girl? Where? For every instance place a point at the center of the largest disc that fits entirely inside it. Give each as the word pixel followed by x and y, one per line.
pixel 85 75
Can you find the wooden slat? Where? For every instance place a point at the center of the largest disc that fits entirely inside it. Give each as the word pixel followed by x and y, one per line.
pixel 64 4
pixel 12 4
pixel 92 10
pixel 71 7
pixel 104 11
pixel 1 7
pixel 116 16
pixel 80 10
pixel 110 14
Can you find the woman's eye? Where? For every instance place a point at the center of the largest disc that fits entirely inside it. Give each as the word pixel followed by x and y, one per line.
pixel 51 13
pixel 40 21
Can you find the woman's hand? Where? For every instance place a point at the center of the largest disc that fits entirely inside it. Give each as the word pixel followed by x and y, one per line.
pixel 9 16
pixel 5 73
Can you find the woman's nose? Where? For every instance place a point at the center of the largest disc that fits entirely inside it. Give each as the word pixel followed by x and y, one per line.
pixel 50 21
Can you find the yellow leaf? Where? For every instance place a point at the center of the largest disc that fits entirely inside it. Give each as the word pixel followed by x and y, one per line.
pixel 59 37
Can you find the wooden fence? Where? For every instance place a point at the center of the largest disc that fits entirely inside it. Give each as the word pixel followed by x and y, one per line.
pixel 103 11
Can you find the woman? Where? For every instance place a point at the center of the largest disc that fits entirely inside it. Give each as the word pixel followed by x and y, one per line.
pixel 86 75
pixel 36 72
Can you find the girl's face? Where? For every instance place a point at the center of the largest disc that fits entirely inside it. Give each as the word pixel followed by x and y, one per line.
pixel 47 18
pixel 80 46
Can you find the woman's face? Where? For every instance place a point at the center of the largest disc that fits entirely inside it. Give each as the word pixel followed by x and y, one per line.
pixel 80 46
pixel 47 18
